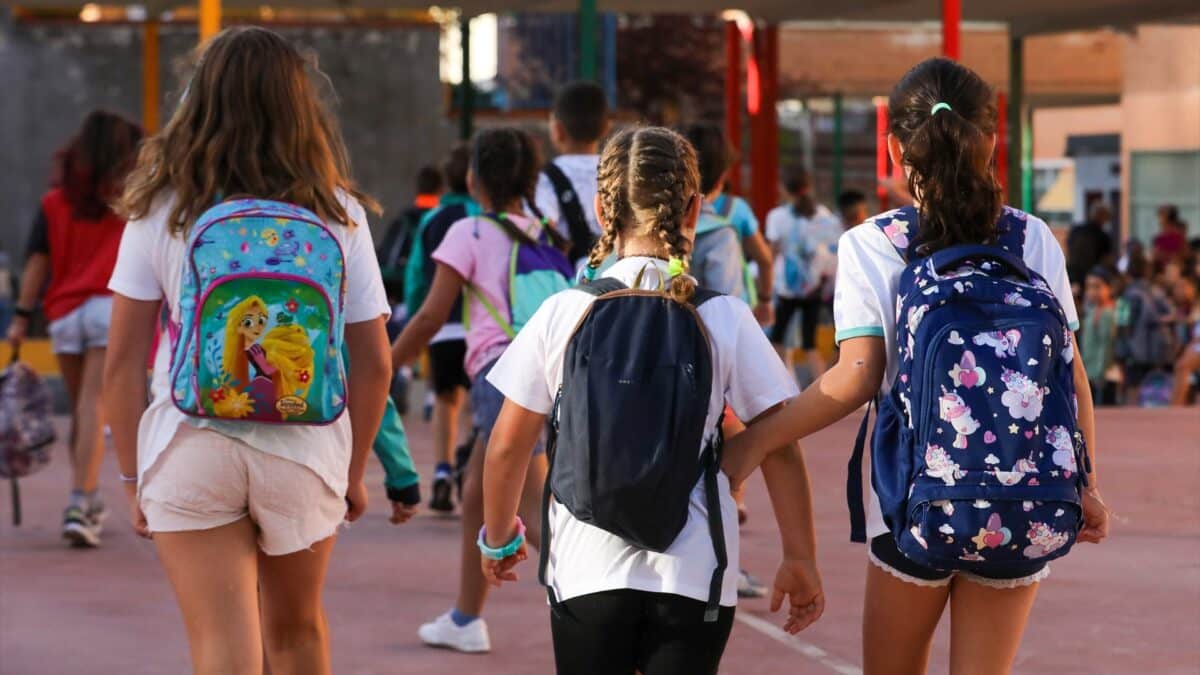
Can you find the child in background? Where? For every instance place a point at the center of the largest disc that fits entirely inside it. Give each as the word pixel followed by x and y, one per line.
pixel 397 243
pixel 566 187
pixel 448 378
pixel 727 234
pixel 474 258
pixel 243 514
pixel 798 232
pixel 852 207
pixel 621 608
pixel 1098 335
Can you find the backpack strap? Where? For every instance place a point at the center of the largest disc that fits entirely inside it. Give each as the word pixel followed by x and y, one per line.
pixel 909 214
pixel 544 544
pixel 602 286
pixel 854 482
pixel 572 211
pixel 726 209
pixel 703 295
pixel 716 528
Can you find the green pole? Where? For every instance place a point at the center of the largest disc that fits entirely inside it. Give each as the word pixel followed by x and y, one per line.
pixel 466 110
pixel 1016 119
pixel 587 40
pixel 839 151
pixel 1027 160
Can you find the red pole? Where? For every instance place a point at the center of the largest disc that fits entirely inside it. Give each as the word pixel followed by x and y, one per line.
pixel 733 99
pixel 881 153
pixel 764 122
pixel 1001 154
pixel 951 23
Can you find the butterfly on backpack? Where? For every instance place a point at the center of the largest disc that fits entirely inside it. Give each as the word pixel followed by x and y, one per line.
pixel 260 326
pixel 976 453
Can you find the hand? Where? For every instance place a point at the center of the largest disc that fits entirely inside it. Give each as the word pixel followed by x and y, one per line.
pixel 801 582
pixel 136 517
pixel 401 513
pixel 1095 517
pixel 16 331
pixel 765 313
pixel 356 500
pixel 497 572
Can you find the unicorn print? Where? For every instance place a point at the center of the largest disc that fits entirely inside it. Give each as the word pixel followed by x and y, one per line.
pixel 1004 342
pixel 1064 450
pixel 915 314
pixel 939 464
pixel 1044 540
pixel 1023 398
pixel 1016 299
pixel 956 411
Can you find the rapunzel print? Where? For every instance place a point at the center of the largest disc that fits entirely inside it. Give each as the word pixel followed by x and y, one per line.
pixel 262 368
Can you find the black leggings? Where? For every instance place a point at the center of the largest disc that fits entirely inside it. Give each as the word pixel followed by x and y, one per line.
pixel 810 314
pixel 625 631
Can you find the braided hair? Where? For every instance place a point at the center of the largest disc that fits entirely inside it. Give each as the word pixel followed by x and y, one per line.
pixel 647 180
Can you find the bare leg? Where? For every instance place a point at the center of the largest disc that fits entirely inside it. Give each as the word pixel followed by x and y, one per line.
pixel 472 589
pixel 446 409
pixel 214 574
pixel 898 623
pixel 88 439
pixel 1188 364
pixel 986 625
pixel 71 367
pixel 295 633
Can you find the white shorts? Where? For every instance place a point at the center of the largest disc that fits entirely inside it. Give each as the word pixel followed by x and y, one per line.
pixel 204 479
pixel 86 327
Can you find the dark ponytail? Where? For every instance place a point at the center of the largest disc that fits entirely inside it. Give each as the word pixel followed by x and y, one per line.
pixel 948 152
pixel 506 163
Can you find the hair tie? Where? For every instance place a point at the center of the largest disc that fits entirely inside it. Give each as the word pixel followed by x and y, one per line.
pixel 674 267
pixel 589 273
pixel 940 105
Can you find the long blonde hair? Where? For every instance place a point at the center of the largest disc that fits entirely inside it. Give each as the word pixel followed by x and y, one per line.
pixel 250 122
pixel 233 359
pixel 287 348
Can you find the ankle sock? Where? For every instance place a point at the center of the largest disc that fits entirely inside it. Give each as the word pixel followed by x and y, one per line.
pixel 459 618
pixel 442 470
pixel 81 500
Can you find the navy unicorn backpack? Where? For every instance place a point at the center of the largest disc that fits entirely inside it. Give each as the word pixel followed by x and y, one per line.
pixel 976 453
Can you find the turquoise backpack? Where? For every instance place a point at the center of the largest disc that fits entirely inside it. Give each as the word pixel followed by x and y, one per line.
pixel 534 274
pixel 417 278
pixel 260 331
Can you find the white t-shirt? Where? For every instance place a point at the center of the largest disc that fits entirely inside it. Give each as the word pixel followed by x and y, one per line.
pixel 747 375
pixel 149 267
pixel 868 281
pixel 803 239
pixel 581 171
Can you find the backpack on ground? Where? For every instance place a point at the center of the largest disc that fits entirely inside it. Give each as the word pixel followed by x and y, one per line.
pixel 26 426
pixel 535 272
pixel 260 331
pixel 627 433
pixel 571 210
pixel 976 456
pixel 713 228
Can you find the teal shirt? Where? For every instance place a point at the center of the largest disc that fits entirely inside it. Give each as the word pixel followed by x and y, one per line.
pixel 391 447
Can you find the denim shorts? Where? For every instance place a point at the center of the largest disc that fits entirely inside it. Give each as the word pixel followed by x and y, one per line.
pixel 86 327
pixel 486 401
pixel 886 556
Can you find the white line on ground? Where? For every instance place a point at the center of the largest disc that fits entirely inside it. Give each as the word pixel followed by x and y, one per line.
pixel 792 642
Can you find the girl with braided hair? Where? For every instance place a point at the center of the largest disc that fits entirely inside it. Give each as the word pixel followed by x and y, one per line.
pixel 473 262
pixel 621 608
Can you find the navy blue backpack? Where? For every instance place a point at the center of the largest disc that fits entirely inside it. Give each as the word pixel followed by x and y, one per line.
pixel 976 453
pixel 629 420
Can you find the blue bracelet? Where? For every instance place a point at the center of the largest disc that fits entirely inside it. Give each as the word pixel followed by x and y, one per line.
pixel 504 551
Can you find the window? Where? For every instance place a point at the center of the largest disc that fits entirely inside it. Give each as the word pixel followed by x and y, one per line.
pixel 1164 178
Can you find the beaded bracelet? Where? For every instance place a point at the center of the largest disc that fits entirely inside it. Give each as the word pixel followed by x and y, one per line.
pixel 506 550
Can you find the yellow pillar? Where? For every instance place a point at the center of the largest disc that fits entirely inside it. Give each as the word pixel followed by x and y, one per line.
pixel 150 91
pixel 210 18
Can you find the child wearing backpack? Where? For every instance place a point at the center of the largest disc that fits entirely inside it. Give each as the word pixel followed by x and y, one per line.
pixel 727 235
pixel 253 448
pixel 448 347
pixel 566 187
pixel 503 264
pixel 958 314
pixel 634 370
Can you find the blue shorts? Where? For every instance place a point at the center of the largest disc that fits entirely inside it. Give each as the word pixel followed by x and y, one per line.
pixel 885 555
pixel 486 401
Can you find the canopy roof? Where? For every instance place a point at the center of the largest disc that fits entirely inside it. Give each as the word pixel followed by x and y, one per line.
pixel 1026 17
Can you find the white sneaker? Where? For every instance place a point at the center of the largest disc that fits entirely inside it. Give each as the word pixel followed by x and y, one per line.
pixel 443 632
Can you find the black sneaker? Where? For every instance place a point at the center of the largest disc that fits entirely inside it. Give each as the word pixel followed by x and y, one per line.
pixel 80 529
pixel 440 502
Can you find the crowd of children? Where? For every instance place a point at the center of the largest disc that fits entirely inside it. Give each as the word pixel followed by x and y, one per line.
pixel 618 328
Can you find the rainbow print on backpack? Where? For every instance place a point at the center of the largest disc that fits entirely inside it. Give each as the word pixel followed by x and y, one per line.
pixel 260 331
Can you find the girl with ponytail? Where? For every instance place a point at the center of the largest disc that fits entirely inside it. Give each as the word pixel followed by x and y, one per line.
pixel 620 608
pixel 943 133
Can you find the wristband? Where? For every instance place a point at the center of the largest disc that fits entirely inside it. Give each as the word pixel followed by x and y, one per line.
pixel 23 312
pixel 506 550
pixel 128 479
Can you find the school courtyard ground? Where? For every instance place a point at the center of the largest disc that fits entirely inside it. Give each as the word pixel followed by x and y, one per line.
pixel 1131 605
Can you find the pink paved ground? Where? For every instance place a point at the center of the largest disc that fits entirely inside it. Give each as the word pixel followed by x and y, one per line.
pixel 1129 606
